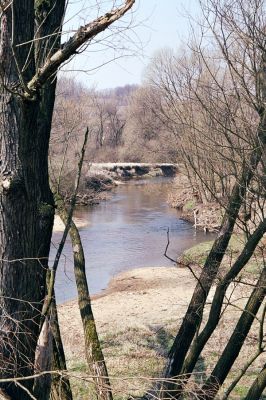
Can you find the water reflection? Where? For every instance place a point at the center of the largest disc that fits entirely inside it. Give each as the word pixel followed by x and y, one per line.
pixel 128 231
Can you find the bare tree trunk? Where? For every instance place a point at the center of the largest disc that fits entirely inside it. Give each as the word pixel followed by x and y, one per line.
pixel 42 384
pixel 193 317
pixel 61 389
pixel 217 303
pixel 26 204
pixel 28 69
pixel 94 355
pixel 236 341
pixel 258 386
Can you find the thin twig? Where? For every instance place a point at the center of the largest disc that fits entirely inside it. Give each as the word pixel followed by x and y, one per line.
pixel 67 226
pixel 166 248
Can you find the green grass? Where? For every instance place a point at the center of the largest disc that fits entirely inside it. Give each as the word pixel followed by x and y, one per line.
pixel 81 388
pixel 132 353
pixel 189 205
pixel 197 254
pixel 79 366
pixel 241 391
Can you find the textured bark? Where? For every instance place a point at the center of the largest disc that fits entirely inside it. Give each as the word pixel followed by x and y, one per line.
pixel 26 205
pixel 27 90
pixel 236 341
pixel 42 384
pixel 217 303
pixel 258 386
pixel 61 389
pixel 26 202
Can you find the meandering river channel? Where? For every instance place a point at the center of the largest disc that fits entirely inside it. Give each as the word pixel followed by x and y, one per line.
pixel 127 231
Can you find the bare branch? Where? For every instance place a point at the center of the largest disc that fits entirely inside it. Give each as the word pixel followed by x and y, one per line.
pixel 82 36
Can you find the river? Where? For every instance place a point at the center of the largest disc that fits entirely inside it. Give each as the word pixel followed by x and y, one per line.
pixel 127 231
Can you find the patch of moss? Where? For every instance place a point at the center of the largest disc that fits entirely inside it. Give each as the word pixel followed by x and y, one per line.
pixel 42 8
pixel 46 210
pixel 189 205
pixel 42 4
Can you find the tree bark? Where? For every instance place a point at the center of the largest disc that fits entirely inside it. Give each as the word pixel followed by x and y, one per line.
pixel 26 203
pixel 193 315
pixel 258 386
pixel 192 319
pixel 61 389
pixel 94 354
pixel 236 341
pixel 27 91
pixel 217 302
pixel 42 384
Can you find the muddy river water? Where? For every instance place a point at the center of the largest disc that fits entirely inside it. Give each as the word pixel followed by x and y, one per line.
pixel 127 231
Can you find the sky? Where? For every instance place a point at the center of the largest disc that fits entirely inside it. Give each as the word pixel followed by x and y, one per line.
pixel 121 58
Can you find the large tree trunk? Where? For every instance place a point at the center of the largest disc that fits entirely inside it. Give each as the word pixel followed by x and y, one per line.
pixel 30 56
pixel 26 202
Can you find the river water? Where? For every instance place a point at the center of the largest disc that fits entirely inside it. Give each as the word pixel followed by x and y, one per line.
pixel 127 231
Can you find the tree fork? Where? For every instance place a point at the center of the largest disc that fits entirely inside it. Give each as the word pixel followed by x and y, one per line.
pixel 216 306
pixel 193 315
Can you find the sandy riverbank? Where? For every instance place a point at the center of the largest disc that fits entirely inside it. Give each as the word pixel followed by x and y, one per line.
pixel 137 298
pixel 137 317
pixel 59 226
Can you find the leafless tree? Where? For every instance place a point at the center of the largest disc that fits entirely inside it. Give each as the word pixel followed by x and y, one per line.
pixel 31 55
pixel 213 100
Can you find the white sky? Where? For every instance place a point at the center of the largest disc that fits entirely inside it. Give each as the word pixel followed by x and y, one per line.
pixel 156 24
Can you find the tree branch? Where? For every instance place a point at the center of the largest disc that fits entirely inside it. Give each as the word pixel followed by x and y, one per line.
pixel 68 49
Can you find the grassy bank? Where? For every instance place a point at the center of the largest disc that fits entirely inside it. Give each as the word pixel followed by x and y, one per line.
pixel 196 256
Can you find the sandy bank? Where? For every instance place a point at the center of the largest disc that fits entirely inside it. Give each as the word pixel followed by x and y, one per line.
pixel 137 319
pixel 140 298
pixel 59 226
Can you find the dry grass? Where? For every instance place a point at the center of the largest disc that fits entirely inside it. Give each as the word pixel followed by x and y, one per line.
pixel 137 319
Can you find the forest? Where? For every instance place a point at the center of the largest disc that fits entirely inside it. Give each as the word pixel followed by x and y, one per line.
pixel 85 172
